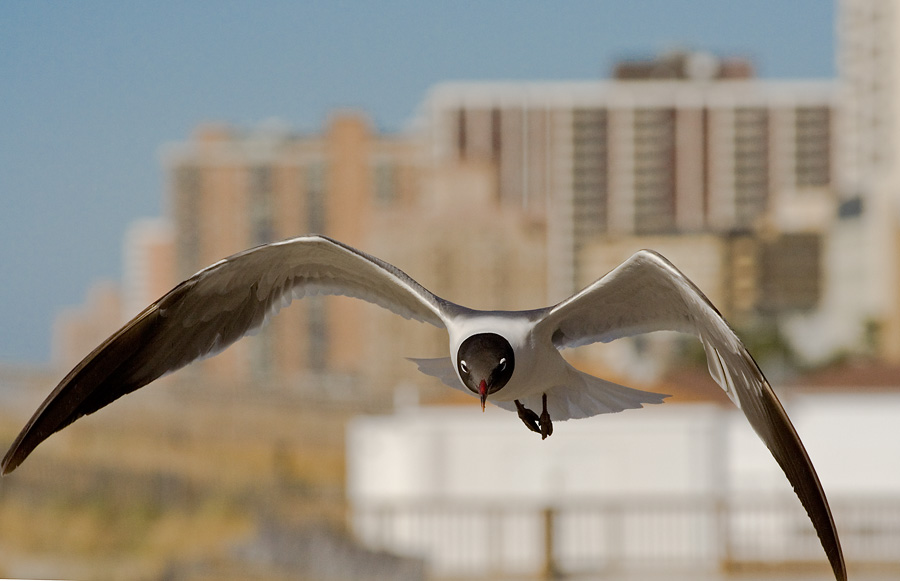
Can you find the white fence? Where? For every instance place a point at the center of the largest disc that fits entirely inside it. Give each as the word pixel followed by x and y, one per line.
pixel 595 536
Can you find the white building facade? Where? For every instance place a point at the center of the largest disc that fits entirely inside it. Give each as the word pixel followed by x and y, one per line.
pixel 674 487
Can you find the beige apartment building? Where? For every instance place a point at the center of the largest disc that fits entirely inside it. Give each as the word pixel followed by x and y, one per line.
pixel 229 190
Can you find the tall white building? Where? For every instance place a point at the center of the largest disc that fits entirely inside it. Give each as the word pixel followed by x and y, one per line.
pixel 868 67
pixel 861 306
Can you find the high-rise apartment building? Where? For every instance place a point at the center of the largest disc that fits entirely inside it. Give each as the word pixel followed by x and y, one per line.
pixel 230 190
pixel 645 157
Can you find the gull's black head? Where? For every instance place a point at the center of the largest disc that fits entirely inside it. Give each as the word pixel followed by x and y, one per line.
pixel 485 362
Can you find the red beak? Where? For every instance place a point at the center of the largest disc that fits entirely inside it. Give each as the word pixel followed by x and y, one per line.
pixel 482 390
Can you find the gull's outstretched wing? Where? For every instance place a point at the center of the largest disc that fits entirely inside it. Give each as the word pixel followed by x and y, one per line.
pixel 647 293
pixel 213 309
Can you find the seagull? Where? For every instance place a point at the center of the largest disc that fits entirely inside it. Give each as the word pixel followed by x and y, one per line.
pixel 508 358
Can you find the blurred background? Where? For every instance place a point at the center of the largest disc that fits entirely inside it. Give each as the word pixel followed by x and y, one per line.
pixel 504 155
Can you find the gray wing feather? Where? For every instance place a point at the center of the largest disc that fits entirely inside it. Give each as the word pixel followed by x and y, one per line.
pixel 441 368
pixel 213 309
pixel 647 293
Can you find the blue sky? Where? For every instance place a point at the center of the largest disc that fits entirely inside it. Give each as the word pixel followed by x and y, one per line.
pixel 91 90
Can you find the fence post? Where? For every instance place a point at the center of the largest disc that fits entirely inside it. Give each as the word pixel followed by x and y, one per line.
pixel 723 526
pixel 551 571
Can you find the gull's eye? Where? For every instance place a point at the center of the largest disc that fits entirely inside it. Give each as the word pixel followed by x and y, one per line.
pixel 502 364
pixel 463 367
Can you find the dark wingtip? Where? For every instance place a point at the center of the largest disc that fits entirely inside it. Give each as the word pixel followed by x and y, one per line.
pixel 24 444
pixel 14 457
pixel 836 558
pixel 782 439
pixel 96 381
pixel 16 454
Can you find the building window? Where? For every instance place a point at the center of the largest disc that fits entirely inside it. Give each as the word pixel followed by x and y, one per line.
pixel 262 224
pixel 654 170
pixel 385 178
pixel 315 197
pixel 790 273
pixel 813 146
pixel 496 134
pixel 461 133
pixel 751 165
pixel 851 208
pixel 188 188
pixel 590 172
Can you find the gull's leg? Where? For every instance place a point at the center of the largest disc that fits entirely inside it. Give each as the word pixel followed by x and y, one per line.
pixel 546 424
pixel 528 417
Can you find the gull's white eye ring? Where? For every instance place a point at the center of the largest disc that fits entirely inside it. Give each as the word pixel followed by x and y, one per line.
pixel 463 366
pixel 502 365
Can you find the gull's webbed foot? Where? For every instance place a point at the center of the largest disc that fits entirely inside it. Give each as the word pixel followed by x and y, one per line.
pixel 546 424
pixel 538 424
pixel 528 417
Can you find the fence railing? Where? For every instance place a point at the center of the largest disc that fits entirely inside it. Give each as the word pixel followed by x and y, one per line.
pixel 495 539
